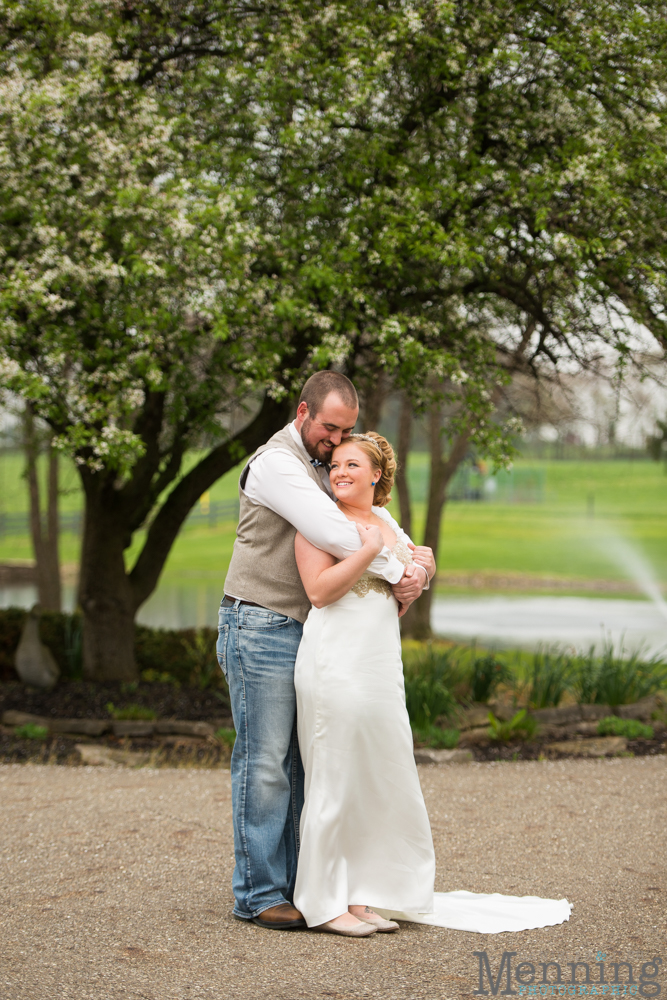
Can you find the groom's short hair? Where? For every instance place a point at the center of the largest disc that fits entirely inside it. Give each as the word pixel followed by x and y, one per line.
pixel 322 384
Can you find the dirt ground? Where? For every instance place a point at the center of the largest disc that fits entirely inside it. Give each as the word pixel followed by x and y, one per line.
pixel 115 885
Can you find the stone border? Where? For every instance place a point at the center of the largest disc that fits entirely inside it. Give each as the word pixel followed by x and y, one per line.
pixel 570 730
pixel 99 727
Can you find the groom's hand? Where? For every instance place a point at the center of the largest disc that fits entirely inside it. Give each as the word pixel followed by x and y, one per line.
pixel 409 587
pixel 424 557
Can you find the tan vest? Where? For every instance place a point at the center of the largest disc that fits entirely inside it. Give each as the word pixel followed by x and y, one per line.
pixel 263 567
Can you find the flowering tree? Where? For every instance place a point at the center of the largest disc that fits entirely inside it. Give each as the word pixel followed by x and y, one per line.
pixel 201 203
pixel 120 266
pixel 490 179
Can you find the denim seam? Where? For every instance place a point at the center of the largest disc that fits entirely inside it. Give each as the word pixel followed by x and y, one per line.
pixel 223 630
pixel 244 784
pixel 295 768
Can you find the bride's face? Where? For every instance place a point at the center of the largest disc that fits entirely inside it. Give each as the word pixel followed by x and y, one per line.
pixel 352 475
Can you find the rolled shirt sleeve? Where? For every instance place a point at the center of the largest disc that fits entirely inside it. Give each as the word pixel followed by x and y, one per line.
pixel 401 535
pixel 278 480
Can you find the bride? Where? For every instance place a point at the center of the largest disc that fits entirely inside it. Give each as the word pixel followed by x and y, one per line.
pixel 366 841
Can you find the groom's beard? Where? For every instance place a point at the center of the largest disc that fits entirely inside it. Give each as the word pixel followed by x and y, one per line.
pixel 319 450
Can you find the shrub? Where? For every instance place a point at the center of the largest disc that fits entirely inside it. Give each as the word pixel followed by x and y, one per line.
pixel 155 677
pixel 11 623
pixel 205 669
pixel 631 728
pixel 52 632
pixel 31 732
pixel 439 739
pixel 487 672
pixel 74 646
pixel 186 656
pixel 521 726
pixel 134 712
pixel 168 651
pixel 226 736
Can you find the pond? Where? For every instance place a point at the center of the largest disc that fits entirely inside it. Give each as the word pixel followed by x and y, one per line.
pixel 499 621
pixel 578 622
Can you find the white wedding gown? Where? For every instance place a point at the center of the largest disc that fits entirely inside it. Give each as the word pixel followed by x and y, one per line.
pixel 365 833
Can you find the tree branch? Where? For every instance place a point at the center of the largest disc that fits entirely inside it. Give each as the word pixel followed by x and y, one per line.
pixel 169 520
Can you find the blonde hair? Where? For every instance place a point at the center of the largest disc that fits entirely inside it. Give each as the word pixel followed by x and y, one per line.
pixel 381 455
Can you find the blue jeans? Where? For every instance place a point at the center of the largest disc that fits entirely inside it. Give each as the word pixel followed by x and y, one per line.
pixel 257 650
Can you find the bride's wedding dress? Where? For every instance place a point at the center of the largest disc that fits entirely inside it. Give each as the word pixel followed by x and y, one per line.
pixel 365 834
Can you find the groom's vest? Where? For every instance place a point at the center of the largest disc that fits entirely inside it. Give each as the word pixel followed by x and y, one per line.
pixel 263 567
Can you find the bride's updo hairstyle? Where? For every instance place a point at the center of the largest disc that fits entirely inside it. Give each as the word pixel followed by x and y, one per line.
pixel 381 456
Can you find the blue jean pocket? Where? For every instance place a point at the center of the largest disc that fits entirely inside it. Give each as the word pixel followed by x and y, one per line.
pixel 262 620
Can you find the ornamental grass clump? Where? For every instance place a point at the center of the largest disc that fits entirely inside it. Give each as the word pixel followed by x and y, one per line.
pixel 611 679
pixel 549 677
pixel 430 674
pixel 486 673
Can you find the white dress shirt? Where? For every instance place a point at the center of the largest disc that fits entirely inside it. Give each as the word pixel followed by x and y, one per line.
pixel 278 480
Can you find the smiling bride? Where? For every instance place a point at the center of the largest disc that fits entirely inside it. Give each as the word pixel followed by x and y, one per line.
pixel 365 834
pixel 366 842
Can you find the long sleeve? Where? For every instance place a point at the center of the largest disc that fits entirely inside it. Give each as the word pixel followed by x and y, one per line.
pixel 400 534
pixel 279 481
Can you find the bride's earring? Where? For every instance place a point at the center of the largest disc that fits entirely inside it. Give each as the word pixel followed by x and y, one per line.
pixel 372 484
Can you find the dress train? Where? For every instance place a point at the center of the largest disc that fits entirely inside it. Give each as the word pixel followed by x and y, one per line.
pixel 365 833
pixel 487 913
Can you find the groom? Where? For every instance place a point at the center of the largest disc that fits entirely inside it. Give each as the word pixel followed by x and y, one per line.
pixel 284 488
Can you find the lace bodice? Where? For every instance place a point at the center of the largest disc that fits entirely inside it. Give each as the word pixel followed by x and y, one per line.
pixel 369 582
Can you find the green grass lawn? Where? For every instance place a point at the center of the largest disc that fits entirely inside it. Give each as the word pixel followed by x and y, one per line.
pixel 198 551
pixel 14 494
pixel 559 536
pixel 13 489
pixel 556 537
pixel 552 538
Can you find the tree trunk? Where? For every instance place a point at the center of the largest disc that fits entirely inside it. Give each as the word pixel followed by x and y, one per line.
pixel 44 536
pixel 374 398
pixel 417 621
pixel 106 596
pixel 31 451
pixel 52 599
pixel 403 450
pixel 109 595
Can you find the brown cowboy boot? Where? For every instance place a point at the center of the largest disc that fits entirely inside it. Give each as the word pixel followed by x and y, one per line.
pixel 283 917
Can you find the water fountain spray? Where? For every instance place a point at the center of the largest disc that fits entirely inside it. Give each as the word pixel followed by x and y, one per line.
pixel 629 558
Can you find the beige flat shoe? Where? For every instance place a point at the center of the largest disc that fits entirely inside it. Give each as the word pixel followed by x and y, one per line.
pixel 363 930
pixel 380 924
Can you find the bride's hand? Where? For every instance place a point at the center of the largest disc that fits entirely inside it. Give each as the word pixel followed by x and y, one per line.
pixel 371 536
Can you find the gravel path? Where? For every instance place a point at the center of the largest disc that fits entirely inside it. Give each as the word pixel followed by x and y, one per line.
pixel 115 884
